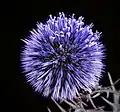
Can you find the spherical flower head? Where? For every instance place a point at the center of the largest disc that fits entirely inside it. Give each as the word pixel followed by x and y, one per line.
pixel 63 57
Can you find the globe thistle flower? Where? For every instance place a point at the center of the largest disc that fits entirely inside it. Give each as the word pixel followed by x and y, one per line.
pixel 63 57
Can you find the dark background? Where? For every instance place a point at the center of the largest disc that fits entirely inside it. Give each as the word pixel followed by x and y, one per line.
pixel 20 16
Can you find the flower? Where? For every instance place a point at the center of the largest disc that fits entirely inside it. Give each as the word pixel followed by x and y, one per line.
pixel 63 57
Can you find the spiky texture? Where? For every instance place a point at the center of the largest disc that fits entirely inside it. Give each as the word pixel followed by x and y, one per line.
pixel 63 57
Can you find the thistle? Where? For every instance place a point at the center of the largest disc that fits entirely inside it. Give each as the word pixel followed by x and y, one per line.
pixel 63 57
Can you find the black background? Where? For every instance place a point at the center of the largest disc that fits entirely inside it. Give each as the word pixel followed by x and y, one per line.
pixel 18 17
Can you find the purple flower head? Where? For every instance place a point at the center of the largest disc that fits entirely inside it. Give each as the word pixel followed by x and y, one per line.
pixel 63 57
